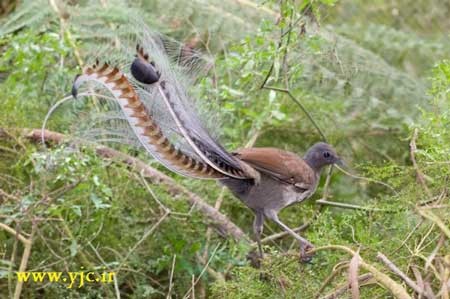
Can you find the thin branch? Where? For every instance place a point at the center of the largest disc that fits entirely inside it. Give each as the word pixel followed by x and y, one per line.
pixel 172 269
pixel 420 176
pixel 24 262
pixel 410 234
pixel 144 237
pixel 418 276
pixel 4 194
pixel 15 233
pixel 396 289
pixel 116 284
pixel 214 217
pixel 336 270
pixel 213 273
pixel 362 279
pixel 399 273
pixel 366 179
pixel 326 186
pixel 203 270
pixel 303 108
pixel 350 206
pixel 353 270
pixel 435 251
pixel 428 214
pixel 62 18
pixel 279 235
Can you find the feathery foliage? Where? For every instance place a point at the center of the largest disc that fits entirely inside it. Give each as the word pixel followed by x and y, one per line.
pixel 372 76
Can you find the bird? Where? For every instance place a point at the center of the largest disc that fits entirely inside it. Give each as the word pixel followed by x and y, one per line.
pixel 286 179
pixel 158 109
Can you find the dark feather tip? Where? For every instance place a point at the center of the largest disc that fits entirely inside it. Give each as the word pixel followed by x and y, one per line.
pixel 74 89
pixel 144 72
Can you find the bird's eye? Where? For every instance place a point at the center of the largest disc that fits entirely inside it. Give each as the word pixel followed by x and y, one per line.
pixel 326 155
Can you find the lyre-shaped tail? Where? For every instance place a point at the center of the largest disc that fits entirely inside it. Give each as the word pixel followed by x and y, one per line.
pixel 161 84
pixel 152 94
pixel 147 131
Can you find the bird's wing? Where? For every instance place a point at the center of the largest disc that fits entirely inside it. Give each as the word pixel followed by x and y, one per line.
pixel 282 165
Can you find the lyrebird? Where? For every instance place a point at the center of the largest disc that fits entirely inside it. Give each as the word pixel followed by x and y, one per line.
pixel 157 106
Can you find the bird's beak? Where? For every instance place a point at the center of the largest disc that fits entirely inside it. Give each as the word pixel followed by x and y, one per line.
pixel 340 162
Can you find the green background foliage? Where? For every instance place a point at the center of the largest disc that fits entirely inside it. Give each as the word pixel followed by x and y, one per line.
pixel 369 74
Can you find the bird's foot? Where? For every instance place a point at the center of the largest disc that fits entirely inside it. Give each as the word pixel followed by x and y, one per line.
pixel 255 259
pixel 305 254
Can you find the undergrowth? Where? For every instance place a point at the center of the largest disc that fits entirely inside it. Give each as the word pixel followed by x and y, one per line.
pixel 374 79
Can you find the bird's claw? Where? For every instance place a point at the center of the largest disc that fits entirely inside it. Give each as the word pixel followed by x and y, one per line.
pixel 255 259
pixel 305 253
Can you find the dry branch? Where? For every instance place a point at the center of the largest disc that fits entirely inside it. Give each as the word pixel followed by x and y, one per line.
pixel 279 235
pixel 399 273
pixel 217 219
pixel 353 270
pixel 363 279
pixel 27 243
pixel 412 150
pixel 435 219
pixel 15 233
pixel 396 289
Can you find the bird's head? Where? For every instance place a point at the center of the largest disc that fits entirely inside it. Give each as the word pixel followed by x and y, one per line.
pixel 321 154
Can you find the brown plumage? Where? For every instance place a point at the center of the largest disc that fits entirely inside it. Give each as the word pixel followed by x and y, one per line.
pixel 282 165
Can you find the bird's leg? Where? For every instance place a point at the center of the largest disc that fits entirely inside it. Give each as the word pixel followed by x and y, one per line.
pixel 305 245
pixel 258 225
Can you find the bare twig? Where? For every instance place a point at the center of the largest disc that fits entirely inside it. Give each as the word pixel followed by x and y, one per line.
pixel 428 214
pixel 193 286
pixel 409 235
pixel 362 279
pixel 4 194
pixel 223 224
pixel 169 293
pixel 116 283
pixel 203 270
pixel 399 273
pixel 213 273
pixel 302 107
pixel 412 150
pixel 281 234
pixel 63 20
pixel 366 179
pixel 418 276
pixel 435 251
pixel 326 186
pixel 353 269
pixel 24 262
pixel 350 206
pixel 13 232
pixel 336 270
pixel 396 289
pixel 144 237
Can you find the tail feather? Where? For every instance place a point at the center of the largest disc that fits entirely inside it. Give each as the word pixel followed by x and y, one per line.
pixel 152 95
pixel 145 128
pixel 175 98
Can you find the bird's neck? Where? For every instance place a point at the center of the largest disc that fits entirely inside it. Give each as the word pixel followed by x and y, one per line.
pixel 313 163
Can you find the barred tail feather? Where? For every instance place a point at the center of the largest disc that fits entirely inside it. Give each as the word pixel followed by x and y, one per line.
pixel 175 98
pixel 147 131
